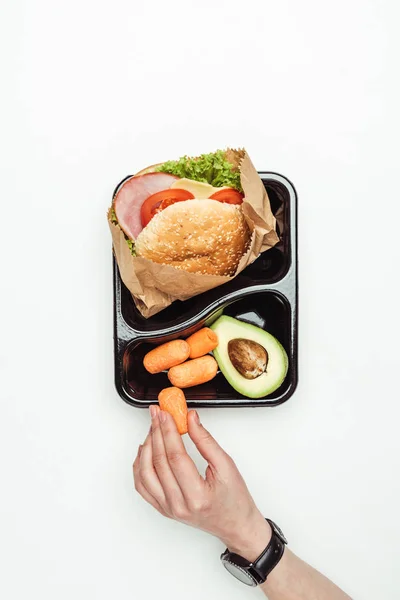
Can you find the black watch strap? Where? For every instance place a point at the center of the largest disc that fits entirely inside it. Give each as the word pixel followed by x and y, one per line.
pixel 258 570
pixel 270 557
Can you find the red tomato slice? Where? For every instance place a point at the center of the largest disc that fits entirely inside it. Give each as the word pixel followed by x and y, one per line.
pixel 157 202
pixel 230 196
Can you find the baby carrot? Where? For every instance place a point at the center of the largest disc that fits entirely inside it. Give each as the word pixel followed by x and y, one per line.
pixel 173 400
pixel 193 372
pixel 166 356
pixel 202 342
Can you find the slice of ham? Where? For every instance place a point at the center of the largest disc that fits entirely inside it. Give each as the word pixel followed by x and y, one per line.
pixel 131 195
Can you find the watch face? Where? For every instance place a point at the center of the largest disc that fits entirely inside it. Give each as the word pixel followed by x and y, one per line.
pixel 239 573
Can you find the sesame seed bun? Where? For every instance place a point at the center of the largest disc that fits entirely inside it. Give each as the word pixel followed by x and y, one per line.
pixel 199 236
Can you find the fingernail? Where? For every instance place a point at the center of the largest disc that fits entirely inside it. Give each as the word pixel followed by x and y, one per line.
pixel 196 417
pixel 162 415
pixel 153 411
pixel 140 450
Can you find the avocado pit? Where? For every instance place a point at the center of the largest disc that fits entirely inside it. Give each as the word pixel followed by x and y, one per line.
pixel 249 358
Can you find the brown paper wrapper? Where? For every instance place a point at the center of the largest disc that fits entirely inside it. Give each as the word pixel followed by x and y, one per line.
pixel 154 286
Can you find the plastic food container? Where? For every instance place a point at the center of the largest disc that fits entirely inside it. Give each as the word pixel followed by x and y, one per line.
pixel 264 294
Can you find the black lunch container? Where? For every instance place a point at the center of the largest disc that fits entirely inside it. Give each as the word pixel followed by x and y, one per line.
pixel 264 294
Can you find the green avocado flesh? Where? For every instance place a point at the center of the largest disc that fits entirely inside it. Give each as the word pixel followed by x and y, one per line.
pixel 228 329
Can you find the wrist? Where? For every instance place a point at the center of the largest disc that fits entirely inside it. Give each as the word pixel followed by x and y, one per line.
pixel 281 573
pixel 251 539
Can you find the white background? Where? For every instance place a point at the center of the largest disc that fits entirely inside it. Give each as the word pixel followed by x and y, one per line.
pixel 93 91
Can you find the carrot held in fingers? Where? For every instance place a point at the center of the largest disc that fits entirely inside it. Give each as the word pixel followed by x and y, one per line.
pixel 166 356
pixel 202 342
pixel 193 372
pixel 173 400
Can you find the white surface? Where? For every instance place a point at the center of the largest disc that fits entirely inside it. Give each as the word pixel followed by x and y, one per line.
pixel 93 91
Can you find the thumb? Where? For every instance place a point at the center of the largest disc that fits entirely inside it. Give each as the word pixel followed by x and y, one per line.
pixel 208 447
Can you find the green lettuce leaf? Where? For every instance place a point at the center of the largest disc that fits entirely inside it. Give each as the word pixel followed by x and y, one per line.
pixel 131 243
pixel 212 168
pixel 113 217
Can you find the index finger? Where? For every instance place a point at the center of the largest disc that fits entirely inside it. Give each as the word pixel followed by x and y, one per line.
pixel 182 466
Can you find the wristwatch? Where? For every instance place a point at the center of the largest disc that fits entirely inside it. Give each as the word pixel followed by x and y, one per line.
pixel 256 572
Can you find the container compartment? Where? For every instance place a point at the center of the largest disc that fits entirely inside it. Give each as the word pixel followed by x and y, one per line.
pixel 267 310
pixel 267 269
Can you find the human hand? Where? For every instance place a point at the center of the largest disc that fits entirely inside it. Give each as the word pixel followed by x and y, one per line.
pixel 220 503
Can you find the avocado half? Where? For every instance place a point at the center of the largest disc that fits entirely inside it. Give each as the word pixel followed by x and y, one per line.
pixel 228 329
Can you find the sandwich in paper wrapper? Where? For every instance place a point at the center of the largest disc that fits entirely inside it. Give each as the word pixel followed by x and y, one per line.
pixel 183 227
